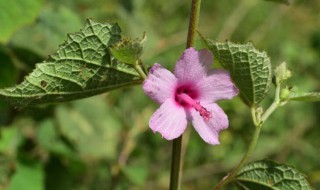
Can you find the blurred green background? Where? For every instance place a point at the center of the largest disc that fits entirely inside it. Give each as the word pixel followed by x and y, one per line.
pixel 104 142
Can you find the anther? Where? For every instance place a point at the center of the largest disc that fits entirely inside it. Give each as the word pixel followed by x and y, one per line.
pixel 204 113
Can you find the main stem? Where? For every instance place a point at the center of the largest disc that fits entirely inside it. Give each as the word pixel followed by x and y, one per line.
pixel 176 145
pixel 175 164
pixel 193 22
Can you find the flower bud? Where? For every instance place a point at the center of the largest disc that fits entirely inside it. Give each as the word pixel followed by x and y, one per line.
pixel 128 50
pixel 282 73
pixel 284 93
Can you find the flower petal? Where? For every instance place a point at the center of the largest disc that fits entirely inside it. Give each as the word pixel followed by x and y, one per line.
pixel 169 120
pixel 218 85
pixel 193 65
pixel 209 131
pixel 160 83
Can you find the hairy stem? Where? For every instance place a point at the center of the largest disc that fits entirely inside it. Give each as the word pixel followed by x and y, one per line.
pixel 193 22
pixel 175 164
pixel 258 122
pixel 176 145
pixel 274 105
pixel 255 120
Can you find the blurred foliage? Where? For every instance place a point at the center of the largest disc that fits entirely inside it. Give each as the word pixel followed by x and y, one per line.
pixel 104 142
pixel 22 12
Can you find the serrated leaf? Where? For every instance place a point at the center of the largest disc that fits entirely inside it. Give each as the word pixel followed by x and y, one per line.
pixel 15 14
pixel 82 67
pixel 269 175
pixel 305 97
pixel 250 69
pixel 280 1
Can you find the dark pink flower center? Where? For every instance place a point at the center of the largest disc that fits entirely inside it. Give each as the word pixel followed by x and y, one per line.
pixel 186 96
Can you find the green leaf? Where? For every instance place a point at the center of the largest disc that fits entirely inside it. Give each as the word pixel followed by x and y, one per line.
pixel 46 35
pixel 28 176
pixel 15 14
pixel 136 173
pixel 8 72
pixel 305 97
pixel 250 69
pixel 49 139
pixel 8 77
pixel 9 141
pixel 82 67
pixel 91 126
pixel 269 175
pixel 280 1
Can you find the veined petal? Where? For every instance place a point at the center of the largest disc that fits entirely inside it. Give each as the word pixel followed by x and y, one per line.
pixel 193 65
pixel 169 120
pixel 216 86
pixel 209 131
pixel 160 84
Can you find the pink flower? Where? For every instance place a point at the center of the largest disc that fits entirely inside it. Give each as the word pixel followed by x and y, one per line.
pixel 189 95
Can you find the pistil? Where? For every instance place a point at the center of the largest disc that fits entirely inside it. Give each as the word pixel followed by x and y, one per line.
pixel 183 97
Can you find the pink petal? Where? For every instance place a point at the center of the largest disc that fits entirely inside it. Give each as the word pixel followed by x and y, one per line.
pixel 209 131
pixel 218 85
pixel 169 120
pixel 193 65
pixel 160 84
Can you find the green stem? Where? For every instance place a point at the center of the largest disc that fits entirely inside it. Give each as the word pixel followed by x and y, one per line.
pixel 138 68
pixel 275 104
pixel 258 122
pixel 176 145
pixel 175 164
pixel 255 120
pixel 245 158
pixel 193 22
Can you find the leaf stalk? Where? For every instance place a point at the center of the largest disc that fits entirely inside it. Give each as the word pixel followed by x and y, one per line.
pixel 258 121
pixel 139 69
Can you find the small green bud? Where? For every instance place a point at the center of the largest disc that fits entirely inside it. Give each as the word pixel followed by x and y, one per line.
pixel 128 50
pixel 282 73
pixel 285 93
pixel 288 74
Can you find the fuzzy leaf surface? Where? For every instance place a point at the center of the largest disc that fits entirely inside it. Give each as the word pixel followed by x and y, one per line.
pixel 82 67
pixel 250 69
pixel 269 175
